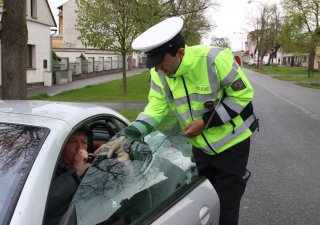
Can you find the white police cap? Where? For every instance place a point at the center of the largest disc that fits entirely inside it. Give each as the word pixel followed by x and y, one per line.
pixel 153 41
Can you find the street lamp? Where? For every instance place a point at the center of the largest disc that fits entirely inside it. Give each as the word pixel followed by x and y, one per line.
pixel 242 38
pixel 259 42
pixel 54 30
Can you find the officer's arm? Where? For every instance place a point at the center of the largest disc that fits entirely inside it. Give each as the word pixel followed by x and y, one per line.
pixel 237 90
pixel 156 109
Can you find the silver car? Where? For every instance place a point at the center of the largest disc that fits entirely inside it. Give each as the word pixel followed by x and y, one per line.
pixel 162 188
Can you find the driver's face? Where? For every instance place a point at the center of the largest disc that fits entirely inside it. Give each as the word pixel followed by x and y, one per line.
pixel 76 142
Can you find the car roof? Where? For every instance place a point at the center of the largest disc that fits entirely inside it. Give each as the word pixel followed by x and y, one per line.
pixel 46 112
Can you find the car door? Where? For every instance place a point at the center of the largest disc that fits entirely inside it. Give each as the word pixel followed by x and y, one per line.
pixel 159 185
pixel 99 129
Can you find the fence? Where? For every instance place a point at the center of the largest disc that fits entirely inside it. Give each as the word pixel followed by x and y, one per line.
pixel 84 68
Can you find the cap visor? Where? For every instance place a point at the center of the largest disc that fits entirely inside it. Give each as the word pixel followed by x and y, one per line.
pixel 153 61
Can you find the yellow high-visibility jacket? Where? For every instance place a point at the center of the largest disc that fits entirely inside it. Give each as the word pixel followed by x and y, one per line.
pixel 207 84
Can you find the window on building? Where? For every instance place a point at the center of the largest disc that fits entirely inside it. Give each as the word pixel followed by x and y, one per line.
pixel 45 64
pixel 33 8
pixel 31 53
pixel 284 61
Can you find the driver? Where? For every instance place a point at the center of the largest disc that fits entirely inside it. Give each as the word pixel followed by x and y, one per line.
pixel 71 168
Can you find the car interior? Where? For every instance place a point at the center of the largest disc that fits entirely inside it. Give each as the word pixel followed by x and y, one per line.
pixel 103 130
pixel 99 131
pixel 161 174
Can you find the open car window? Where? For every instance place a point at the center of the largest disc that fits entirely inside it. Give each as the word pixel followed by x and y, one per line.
pixel 103 130
pixel 160 172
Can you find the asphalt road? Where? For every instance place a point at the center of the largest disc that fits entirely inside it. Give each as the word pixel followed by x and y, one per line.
pixel 284 188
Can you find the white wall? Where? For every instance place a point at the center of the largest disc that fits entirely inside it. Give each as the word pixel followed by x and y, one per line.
pixel 70 35
pixel 39 35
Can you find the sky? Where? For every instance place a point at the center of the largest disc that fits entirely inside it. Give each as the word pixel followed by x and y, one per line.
pixel 231 18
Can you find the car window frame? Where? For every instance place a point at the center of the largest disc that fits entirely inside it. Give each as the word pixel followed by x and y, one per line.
pixel 82 124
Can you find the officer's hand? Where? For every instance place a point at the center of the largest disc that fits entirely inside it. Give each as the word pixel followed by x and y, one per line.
pixel 122 155
pixel 194 128
pixel 113 146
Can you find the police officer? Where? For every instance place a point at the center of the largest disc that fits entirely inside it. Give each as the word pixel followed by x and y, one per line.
pixel 211 97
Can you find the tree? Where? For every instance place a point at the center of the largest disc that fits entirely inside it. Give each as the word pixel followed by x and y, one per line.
pixel 55 57
pixel 275 26
pixel 301 31
pixel 196 24
pixel 220 42
pixel 260 24
pixel 14 39
pixel 267 26
pixel 113 25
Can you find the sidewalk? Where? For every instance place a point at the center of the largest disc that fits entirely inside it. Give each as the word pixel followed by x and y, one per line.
pixel 56 89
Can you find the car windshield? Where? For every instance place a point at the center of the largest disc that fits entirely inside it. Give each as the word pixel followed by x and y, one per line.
pixel 160 171
pixel 19 145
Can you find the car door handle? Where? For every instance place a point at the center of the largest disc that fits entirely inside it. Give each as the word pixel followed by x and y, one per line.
pixel 204 215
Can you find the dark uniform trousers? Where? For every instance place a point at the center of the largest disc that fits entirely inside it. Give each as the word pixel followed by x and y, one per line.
pixel 227 173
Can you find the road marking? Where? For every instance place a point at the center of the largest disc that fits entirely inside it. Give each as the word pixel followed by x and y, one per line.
pixel 312 115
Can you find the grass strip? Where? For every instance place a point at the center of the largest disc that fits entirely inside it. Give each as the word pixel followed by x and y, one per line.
pixel 137 90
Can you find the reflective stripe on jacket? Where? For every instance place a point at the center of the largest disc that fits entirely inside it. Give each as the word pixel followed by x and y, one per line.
pixel 207 74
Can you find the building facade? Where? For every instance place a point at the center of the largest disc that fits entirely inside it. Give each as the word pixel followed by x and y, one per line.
pixel 298 59
pixel 39 22
pixel 74 54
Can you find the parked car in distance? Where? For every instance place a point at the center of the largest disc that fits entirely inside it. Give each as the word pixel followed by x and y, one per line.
pixel 163 186
pixel 254 62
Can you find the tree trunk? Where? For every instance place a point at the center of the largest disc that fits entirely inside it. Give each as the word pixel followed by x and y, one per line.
pixel 14 39
pixel 124 74
pixel 311 63
pixel 273 53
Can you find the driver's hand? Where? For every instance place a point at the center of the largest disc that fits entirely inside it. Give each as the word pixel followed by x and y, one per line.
pixel 80 163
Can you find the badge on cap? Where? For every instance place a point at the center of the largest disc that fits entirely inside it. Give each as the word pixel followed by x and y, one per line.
pixel 238 85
